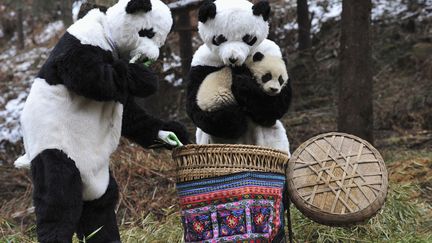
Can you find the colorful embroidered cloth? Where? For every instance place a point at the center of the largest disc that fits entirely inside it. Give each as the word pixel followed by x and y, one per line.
pixel 245 207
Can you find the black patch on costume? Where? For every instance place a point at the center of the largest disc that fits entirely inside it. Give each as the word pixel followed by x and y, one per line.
pixel 257 57
pixel 207 11
pixel 57 196
pixel 87 70
pixel 143 128
pixel 142 81
pixel 149 33
pixel 139 126
pixel 250 40
pixel 138 5
pixel 227 122
pixel 262 8
pixel 217 40
pixel 260 107
pixel 93 73
pixel 100 213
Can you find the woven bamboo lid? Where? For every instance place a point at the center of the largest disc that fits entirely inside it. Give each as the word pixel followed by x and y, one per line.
pixel 204 161
pixel 337 179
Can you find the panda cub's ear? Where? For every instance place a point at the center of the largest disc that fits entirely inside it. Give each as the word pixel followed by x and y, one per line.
pixel 207 11
pixel 257 57
pixel 134 6
pixel 262 8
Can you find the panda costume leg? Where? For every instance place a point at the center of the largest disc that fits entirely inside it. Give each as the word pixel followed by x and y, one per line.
pixel 57 196
pixel 58 203
pixel 99 215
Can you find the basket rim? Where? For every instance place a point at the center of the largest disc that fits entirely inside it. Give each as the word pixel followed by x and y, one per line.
pixel 321 216
pixel 191 170
pixel 186 149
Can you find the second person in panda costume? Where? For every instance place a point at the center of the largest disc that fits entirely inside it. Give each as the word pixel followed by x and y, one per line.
pixel 238 85
pixel 79 106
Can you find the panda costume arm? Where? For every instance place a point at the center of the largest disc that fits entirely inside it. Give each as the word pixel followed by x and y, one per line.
pixel 226 122
pixel 87 70
pixel 83 60
pixel 143 128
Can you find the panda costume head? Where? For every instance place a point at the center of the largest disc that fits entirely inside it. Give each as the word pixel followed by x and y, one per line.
pixel 131 27
pixel 232 29
pixel 144 38
pixel 269 71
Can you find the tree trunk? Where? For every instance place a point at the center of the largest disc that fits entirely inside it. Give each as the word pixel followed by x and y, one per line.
pixel 304 25
pixel 66 9
pixel 102 5
pixel 20 27
pixel 355 104
pixel 185 39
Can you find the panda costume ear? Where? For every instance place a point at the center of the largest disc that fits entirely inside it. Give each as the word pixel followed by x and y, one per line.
pixel 207 11
pixel 134 6
pixel 262 8
pixel 257 57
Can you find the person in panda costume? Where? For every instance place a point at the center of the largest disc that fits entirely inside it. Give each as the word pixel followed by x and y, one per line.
pixel 238 84
pixel 79 106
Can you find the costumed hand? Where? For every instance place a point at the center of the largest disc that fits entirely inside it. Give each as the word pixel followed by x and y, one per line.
pixel 142 80
pixel 244 87
pixel 169 138
pixel 140 58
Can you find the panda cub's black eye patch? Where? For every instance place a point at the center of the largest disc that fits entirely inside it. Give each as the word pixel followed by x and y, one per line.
pixel 217 40
pixel 249 39
pixel 281 80
pixel 266 77
pixel 149 33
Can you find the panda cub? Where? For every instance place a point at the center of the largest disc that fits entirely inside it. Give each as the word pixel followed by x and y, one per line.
pixel 269 72
pixel 217 90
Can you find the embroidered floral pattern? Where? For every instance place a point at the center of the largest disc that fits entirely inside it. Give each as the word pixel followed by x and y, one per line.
pixel 261 217
pixel 243 207
pixel 198 227
pixel 231 222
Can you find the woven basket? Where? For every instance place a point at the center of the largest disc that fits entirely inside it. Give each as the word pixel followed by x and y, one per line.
pixel 337 179
pixel 203 161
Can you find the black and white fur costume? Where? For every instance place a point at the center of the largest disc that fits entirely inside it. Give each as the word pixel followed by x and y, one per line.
pixel 79 106
pixel 252 116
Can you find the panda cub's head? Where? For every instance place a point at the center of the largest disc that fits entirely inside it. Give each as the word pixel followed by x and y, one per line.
pixel 139 27
pixel 232 29
pixel 269 71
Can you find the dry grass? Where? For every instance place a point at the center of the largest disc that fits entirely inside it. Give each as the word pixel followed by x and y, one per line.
pixel 148 210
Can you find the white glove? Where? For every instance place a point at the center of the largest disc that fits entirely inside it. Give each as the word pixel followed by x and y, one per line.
pixel 169 138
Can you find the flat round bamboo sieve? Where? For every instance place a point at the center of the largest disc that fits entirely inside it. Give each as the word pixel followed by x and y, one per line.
pixel 203 161
pixel 337 179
